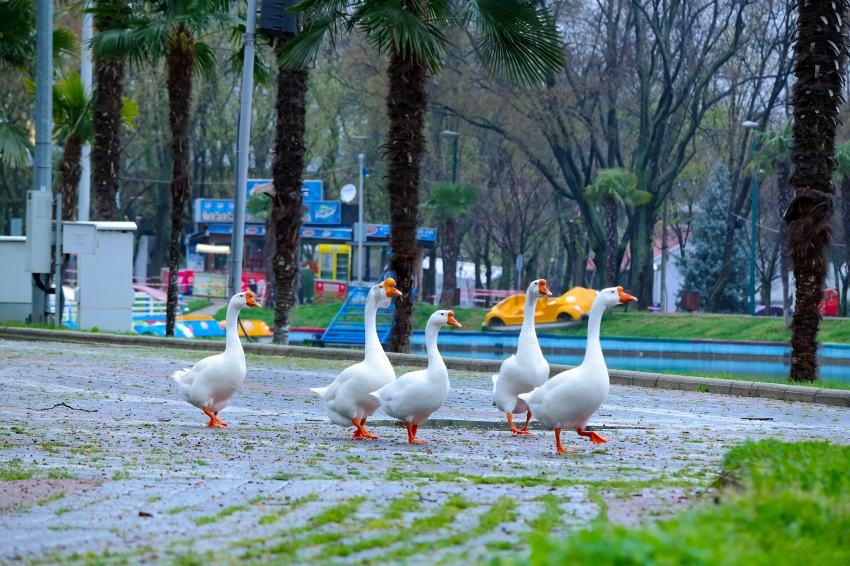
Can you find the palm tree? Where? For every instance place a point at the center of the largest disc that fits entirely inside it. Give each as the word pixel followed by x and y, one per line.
pixel 819 68
pixel 72 127
pixel 774 157
pixel 447 203
pixel 513 38
pixel 612 188
pixel 170 29
pixel 108 98
pixel 287 206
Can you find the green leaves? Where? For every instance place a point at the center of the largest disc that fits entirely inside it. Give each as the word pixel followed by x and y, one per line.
pixel 516 40
pixel 15 146
pixel 772 148
pixel 619 184
pixel 450 200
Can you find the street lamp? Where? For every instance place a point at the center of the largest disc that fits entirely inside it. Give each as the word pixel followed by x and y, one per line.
pixel 751 308
pixel 360 228
pixel 454 136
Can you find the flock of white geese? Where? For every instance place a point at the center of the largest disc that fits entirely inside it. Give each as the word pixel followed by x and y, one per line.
pixel 566 401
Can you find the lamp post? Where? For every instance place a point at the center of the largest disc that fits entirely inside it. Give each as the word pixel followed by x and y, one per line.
pixel 361 159
pixel 751 308
pixel 454 136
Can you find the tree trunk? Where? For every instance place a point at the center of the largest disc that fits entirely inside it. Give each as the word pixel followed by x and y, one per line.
pixel 819 73
pixel 407 103
pixel 507 270
pixel 783 171
pixel 611 242
pixel 180 61
pixel 488 269
pixel 287 207
pixel 447 297
pixel 107 124
pixel 69 177
pixel 641 275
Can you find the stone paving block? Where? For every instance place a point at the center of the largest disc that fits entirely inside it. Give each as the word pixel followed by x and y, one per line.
pixel 645 379
pixel 771 390
pixel 743 388
pixel 833 397
pixel 797 393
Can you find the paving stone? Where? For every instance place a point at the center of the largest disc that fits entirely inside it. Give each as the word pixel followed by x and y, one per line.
pixel 136 474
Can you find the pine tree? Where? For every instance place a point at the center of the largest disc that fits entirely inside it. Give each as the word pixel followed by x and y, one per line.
pixel 701 267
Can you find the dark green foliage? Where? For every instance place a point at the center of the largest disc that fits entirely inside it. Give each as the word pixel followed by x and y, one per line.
pixel 702 264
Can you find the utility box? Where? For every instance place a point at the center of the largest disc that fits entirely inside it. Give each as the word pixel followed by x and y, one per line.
pixel 16 282
pixel 104 273
pixel 39 231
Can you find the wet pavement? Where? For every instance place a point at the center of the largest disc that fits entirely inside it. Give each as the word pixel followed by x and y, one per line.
pixel 102 461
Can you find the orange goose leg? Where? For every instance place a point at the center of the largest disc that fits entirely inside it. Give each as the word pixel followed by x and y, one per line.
pixel 594 438
pixel 558 444
pixel 214 420
pixel 411 434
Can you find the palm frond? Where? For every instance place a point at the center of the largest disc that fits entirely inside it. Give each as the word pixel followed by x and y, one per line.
pixel 616 183
pixel 204 60
pixel 17 32
pixel 15 146
pixel 772 148
pixel 516 40
pixel 65 43
pixel 122 44
pixel 450 200
pixel 302 50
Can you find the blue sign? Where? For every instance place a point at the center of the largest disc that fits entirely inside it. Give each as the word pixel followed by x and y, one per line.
pixel 311 191
pixel 258 230
pixel 325 234
pixel 210 210
pixel 322 212
pixel 259 187
pixel 383 231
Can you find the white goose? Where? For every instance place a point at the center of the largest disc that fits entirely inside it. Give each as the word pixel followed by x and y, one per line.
pixel 414 396
pixel 569 399
pixel 348 400
pixel 210 384
pixel 526 369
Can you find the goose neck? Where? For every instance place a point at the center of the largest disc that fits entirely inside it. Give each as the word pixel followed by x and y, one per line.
pixel 594 323
pixel 370 311
pixel 233 343
pixel 528 333
pixel 434 357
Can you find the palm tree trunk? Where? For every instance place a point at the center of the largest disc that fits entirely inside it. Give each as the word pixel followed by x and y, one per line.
pixel 819 73
pixel 610 242
pixel 406 106
pixel 783 171
pixel 448 296
pixel 107 124
pixel 291 106
pixel 180 61
pixel 69 177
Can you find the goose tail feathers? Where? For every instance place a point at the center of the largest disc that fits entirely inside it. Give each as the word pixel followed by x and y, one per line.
pixel 320 391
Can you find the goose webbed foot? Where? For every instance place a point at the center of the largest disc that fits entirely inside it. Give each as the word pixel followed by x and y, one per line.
pixel 361 432
pixel 411 434
pixel 516 431
pixel 594 438
pixel 214 420
pixel 560 448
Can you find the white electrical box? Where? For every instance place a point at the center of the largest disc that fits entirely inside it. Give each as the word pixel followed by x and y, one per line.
pixel 104 273
pixel 39 231
pixel 78 237
pixel 16 282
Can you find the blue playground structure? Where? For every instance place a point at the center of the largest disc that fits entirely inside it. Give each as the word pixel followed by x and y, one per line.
pixel 347 327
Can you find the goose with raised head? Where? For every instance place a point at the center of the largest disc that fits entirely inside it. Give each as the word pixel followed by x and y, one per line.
pixel 569 399
pixel 347 400
pixel 210 384
pixel 525 370
pixel 414 396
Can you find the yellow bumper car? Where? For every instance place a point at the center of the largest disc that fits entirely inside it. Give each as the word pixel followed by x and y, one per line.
pixel 571 306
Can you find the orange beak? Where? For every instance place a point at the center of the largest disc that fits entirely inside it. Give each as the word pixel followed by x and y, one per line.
pixel 391 290
pixel 452 320
pixel 249 299
pixel 542 288
pixel 625 297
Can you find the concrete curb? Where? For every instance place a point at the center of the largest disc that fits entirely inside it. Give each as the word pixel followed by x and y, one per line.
pixel 779 391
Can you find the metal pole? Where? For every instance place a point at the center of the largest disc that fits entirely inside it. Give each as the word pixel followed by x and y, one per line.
pixel 84 195
pixel 360 159
pixel 753 235
pixel 238 240
pixel 44 96
pixel 454 163
pixel 57 265
pixel 664 260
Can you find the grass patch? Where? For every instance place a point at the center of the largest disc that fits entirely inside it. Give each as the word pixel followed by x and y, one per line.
pixel 823 383
pixel 338 513
pixel 706 326
pixel 226 512
pixel 785 504
pixel 14 470
pixel 300 502
pixel 196 305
